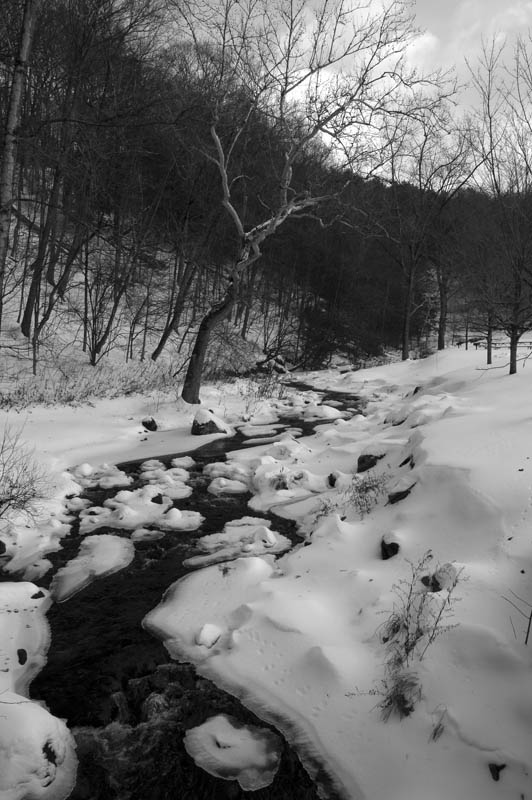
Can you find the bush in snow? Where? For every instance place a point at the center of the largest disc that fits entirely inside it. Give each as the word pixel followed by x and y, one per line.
pixel 401 692
pixel 366 491
pixel 259 388
pixel 22 480
pixel 75 384
pixel 419 616
pixel 362 494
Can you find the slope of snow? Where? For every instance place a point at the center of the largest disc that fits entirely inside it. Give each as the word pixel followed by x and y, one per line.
pixel 301 639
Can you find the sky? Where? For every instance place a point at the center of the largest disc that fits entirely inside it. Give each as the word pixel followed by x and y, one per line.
pixel 453 29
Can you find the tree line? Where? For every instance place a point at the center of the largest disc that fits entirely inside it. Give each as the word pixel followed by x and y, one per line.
pixel 193 178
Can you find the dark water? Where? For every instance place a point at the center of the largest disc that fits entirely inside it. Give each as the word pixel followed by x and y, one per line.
pixel 98 642
pixel 128 704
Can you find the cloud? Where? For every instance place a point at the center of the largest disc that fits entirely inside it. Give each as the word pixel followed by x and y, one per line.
pixel 454 30
pixel 424 51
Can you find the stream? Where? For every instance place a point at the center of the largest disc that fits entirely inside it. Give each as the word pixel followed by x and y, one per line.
pixel 127 704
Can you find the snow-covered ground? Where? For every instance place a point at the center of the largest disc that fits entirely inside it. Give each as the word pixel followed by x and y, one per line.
pixel 301 636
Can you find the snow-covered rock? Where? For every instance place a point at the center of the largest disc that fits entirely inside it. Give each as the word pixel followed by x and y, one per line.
pixel 206 422
pixel 248 536
pixel 132 509
pixel 37 751
pixel 228 749
pixel 106 476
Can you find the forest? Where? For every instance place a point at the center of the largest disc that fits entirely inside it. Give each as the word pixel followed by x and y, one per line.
pixel 225 181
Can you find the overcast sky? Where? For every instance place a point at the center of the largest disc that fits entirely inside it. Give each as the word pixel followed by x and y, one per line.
pixel 454 28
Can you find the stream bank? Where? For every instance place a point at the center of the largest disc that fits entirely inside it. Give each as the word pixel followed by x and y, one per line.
pixel 127 704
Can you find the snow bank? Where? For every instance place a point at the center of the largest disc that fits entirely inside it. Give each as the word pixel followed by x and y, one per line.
pixel 301 640
pixel 28 541
pixel 37 757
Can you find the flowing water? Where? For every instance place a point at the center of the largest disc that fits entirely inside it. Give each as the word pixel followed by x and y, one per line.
pixel 127 703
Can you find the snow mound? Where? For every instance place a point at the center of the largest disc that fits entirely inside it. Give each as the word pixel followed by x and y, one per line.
pixel 185 462
pixel 206 422
pixel 183 612
pixel 227 749
pixel 275 482
pixel 106 476
pixel 37 752
pixel 132 509
pixel 258 430
pixel 170 482
pixel 318 411
pixel 248 536
pixel 98 556
pixel 229 469
pixel 145 535
pixel 24 634
pixel 287 448
pixel 26 543
pixel 226 486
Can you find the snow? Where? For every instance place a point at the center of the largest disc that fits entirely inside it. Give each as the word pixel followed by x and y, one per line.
pixel 299 636
pixel 106 476
pixel 248 536
pixel 227 486
pixel 131 509
pixel 98 556
pixel 206 416
pixel 37 758
pixel 298 639
pixel 228 750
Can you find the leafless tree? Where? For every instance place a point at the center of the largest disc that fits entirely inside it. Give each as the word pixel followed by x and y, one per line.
pixel 504 140
pixel 428 161
pixel 328 71
pixel 8 153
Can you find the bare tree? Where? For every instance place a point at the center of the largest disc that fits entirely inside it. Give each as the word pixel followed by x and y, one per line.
pixel 429 160
pixel 8 154
pixel 504 140
pixel 329 72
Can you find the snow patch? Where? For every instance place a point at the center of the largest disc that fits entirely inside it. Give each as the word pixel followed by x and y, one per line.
pixel 225 748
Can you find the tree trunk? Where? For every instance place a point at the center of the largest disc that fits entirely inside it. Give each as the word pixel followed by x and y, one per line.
pixel 46 236
pixel 489 341
pixel 219 312
pixel 407 313
pixel 515 335
pixel 172 322
pixel 7 160
pixel 442 321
